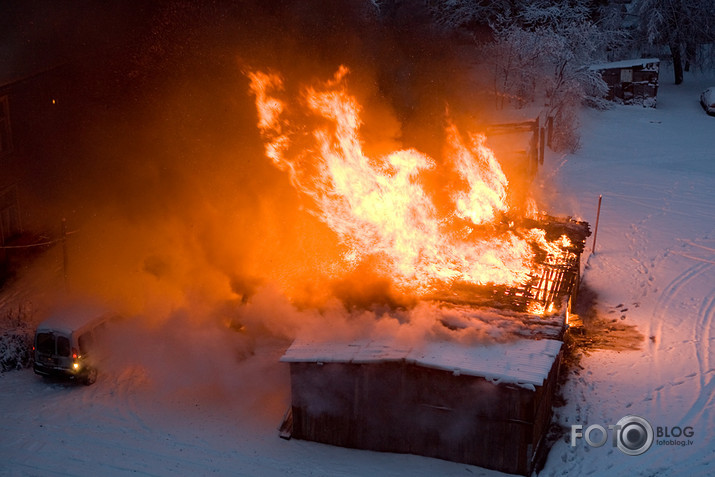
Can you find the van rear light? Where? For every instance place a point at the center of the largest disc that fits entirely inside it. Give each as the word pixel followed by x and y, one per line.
pixel 74 353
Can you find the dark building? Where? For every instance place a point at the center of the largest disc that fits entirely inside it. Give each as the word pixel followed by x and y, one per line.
pixel 10 223
pixel 631 81
pixel 32 125
pixel 60 67
pixel 34 128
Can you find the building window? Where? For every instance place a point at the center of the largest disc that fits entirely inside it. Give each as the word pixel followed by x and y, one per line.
pixel 5 131
pixel 626 75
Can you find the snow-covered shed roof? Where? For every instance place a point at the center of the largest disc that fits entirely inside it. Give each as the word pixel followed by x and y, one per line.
pixel 524 362
pixel 625 64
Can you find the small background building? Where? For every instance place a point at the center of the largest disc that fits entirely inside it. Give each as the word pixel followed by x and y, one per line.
pixel 631 81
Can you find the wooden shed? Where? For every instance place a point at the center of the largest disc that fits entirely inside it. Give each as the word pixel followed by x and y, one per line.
pixel 631 81
pixel 487 405
pixel 477 388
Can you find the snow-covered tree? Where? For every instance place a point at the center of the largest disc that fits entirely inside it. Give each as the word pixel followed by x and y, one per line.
pixel 685 27
pixel 455 14
pixel 568 42
pixel 537 49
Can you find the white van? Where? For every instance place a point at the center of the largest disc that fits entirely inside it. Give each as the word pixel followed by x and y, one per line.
pixel 68 344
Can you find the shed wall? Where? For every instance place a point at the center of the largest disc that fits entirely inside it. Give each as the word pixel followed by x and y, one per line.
pixel 398 407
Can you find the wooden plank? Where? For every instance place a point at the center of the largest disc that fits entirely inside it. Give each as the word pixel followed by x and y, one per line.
pixel 286 428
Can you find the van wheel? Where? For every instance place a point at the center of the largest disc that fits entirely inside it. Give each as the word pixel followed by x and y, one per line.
pixel 91 377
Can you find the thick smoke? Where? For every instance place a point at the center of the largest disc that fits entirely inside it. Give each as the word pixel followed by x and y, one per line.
pixel 162 176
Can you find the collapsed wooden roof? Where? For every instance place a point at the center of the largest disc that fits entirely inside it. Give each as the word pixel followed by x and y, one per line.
pixel 480 330
pixel 553 279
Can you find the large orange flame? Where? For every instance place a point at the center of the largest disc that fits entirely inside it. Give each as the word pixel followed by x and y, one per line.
pixel 379 207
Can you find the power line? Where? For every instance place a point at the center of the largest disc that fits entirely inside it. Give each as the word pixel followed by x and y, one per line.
pixel 39 244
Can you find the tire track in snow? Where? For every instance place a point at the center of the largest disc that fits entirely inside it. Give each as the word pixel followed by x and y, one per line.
pixel 668 296
pixel 698 245
pixel 702 331
pixel 113 438
pixel 121 388
pixel 692 257
pixel 707 312
pixel 702 340
pixel 665 302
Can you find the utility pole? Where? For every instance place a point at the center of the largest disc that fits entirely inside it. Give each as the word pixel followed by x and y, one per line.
pixel 64 253
pixel 595 232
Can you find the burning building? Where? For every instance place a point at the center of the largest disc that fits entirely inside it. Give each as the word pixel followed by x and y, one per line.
pixel 484 400
pixel 493 278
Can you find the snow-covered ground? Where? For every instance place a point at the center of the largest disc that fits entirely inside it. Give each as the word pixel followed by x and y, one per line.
pixel 655 265
pixel 196 410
